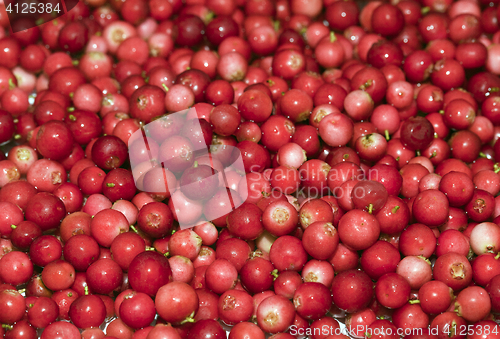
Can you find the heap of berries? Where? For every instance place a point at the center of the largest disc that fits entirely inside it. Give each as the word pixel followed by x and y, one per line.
pixel 366 204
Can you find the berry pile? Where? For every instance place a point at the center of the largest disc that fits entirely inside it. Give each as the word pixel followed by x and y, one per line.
pixel 368 191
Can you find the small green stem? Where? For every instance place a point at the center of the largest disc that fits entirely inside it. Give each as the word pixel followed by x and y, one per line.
pixel 416 301
pixel 387 135
pixel 276 25
pixel 275 274
pixel 189 319
pixel 333 38
pixel 366 85
pixel 209 17
pixel 424 259
pixel 12 85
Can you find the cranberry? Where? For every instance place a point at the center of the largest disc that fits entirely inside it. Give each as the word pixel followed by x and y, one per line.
pixel 255 105
pixel 207 308
pixel 245 221
pixel 87 311
pixel 416 133
pixel 235 306
pixel 341 16
pixel 430 207
pixel 312 300
pixel 189 30
pixel 221 276
pixel 392 290
pixel 288 253
pixel 18 265
pixel 147 102
pixel 336 129
pixel 484 237
pixel 280 218
pixel 365 234
pixel 416 270
pixel 46 210
pixel 109 152
pixel 255 157
pixel 257 275
pixel 393 216
pixel 454 270
pixel 235 250
pixel 384 53
pixel 206 328
pixel 417 239
pixel 380 252
pixel 164 330
pixel 24 233
pixel 181 299
pixel 480 206
pixel 275 314
pixel 352 301
pixel 287 63
pixel 81 251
